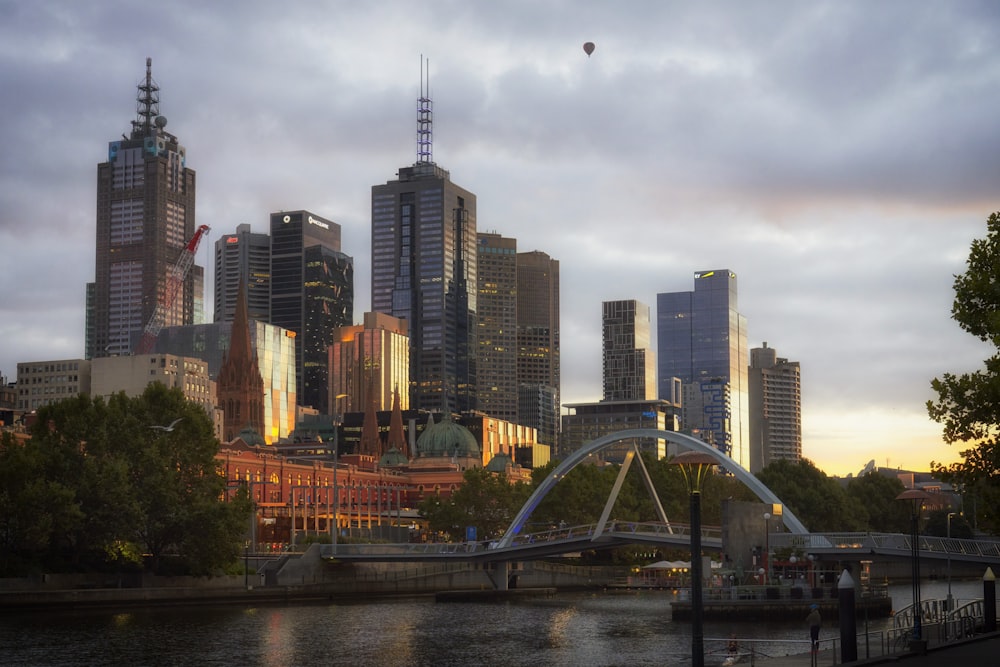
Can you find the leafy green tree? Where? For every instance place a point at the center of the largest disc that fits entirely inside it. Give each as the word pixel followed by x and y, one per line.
pixel 817 500
pixel 937 525
pixel 876 494
pixel 138 489
pixel 34 510
pixel 968 404
pixel 486 500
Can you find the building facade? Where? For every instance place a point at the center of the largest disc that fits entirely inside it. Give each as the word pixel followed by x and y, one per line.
pixel 369 362
pixel 629 364
pixel 538 361
pixel 110 375
pixel 775 408
pixel 145 217
pixel 275 350
pixel 41 383
pixel 588 421
pixel 702 340
pixel 496 309
pixel 243 257
pixel 424 270
pixel 312 294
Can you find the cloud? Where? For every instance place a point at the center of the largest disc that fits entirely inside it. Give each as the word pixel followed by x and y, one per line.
pixel 838 156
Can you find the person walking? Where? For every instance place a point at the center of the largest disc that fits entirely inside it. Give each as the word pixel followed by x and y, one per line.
pixel 814 620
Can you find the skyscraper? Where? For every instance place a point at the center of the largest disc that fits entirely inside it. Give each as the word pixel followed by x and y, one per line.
pixel 775 408
pixel 243 257
pixel 424 270
pixel 629 366
pixel 702 340
pixel 368 363
pixel 145 217
pixel 312 293
pixel 538 362
pixel 496 309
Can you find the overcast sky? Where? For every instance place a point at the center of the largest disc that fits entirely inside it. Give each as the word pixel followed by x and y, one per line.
pixel 839 157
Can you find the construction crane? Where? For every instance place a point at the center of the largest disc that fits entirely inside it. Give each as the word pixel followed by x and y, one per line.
pixel 174 281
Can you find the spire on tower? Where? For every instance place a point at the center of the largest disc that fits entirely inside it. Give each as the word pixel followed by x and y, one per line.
pixel 147 104
pixel 425 112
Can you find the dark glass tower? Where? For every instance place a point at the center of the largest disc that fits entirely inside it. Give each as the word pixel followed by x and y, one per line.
pixel 538 365
pixel 702 340
pixel 145 217
pixel 424 270
pixel 312 294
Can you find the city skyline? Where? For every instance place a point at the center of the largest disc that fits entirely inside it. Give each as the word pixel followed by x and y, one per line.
pixel 838 157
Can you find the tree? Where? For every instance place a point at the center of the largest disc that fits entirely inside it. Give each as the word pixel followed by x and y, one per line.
pixel 968 404
pixel 485 500
pixel 817 500
pixel 877 493
pixel 129 489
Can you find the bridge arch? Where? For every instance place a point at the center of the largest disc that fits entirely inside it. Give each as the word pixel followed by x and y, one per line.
pixel 683 441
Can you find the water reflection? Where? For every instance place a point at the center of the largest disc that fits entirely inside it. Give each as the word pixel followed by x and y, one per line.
pixel 568 629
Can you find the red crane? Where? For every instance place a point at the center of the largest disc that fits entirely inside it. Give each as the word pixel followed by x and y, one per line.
pixel 174 281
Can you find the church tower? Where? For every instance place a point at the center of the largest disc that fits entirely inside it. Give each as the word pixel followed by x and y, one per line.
pixel 240 385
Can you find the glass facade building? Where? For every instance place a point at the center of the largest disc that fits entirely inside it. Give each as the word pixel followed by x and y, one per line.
pixel 702 340
pixel 538 360
pixel 312 294
pixel 424 270
pixel 275 348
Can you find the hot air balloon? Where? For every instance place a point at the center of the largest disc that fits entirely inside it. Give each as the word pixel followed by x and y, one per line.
pixel 588 48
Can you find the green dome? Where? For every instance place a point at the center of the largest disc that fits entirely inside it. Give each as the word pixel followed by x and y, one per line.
pixel 446 438
pixel 251 437
pixel 500 463
pixel 393 458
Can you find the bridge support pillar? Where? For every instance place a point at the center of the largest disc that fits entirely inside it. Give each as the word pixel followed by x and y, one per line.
pixel 501 576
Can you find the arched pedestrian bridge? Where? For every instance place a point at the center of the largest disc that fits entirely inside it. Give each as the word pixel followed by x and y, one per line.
pixel 517 545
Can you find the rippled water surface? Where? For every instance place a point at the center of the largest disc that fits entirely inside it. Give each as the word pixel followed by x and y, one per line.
pixel 567 629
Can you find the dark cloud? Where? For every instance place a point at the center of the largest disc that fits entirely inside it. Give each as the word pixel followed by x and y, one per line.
pixel 838 156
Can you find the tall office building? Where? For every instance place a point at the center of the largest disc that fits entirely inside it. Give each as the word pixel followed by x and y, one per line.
pixel 496 309
pixel 243 257
pixel 312 294
pixel 538 363
pixel 424 270
pixel 629 364
pixel 368 363
pixel 145 217
pixel 702 340
pixel 775 408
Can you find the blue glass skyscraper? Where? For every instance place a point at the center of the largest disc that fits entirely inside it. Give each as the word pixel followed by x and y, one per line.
pixel 702 340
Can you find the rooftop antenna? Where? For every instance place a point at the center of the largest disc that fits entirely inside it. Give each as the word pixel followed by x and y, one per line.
pixel 147 104
pixel 425 112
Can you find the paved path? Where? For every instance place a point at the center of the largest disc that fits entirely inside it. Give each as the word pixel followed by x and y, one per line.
pixel 982 651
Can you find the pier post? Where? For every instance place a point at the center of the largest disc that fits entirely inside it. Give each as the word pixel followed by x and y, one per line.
pixel 989 601
pixel 848 619
pixel 502 575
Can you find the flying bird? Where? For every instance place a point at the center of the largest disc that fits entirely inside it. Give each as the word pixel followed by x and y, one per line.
pixel 167 428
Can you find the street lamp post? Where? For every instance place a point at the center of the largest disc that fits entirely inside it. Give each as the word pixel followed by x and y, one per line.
pixel 916 498
pixel 695 466
pixel 948 551
pixel 335 524
pixel 767 547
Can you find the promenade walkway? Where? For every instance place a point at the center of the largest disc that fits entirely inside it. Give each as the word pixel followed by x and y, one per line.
pixel 979 651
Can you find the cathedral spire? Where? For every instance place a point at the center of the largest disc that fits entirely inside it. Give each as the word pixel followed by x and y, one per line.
pixel 397 436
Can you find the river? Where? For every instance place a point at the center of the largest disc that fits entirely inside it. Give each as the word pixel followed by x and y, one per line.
pixel 571 629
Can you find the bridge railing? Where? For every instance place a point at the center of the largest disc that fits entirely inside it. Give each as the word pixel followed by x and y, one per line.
pixel 886 542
